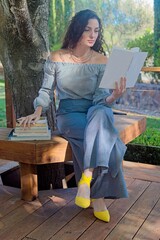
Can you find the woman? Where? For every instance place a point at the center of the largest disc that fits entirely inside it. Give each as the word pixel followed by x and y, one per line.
pixel 84 115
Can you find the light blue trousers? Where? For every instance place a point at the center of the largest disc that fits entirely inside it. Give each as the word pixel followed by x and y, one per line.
pixel 95 144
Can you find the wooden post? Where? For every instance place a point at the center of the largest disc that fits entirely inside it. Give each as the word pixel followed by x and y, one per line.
pixel 10 114
pixel 29 183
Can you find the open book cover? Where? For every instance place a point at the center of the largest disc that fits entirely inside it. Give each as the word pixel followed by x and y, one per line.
pixel 123 63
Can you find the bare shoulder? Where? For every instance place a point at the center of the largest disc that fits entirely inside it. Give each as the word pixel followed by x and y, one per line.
pixel 55 55
pixel 59 55
pixel 100 58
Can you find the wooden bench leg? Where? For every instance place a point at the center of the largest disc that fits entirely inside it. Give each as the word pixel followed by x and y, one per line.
pixel 29 182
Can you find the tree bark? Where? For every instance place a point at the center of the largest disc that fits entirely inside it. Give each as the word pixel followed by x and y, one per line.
pixel 157 33
pixel 24 48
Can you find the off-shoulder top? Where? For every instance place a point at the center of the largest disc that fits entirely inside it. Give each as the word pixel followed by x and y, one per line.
pixel 71 80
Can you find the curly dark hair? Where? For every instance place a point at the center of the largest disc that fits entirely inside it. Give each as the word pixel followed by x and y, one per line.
pixel 76 28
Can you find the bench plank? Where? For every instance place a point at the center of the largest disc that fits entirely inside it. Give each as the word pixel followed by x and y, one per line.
pixel 58 149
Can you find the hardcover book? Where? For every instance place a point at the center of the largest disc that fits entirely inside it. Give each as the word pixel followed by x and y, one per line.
pixel 37 131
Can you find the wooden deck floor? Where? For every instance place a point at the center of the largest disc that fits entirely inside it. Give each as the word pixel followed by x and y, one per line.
pixel 54 215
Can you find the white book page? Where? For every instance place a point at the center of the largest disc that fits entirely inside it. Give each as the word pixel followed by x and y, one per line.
pixel 122 63
pixel 135 68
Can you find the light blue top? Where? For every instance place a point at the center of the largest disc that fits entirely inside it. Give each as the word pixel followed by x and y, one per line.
pixel 72 80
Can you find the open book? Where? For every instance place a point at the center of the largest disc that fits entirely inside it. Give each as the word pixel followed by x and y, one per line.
pixel 123 63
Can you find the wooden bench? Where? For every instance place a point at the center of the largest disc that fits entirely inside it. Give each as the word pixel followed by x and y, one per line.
pixel 31 153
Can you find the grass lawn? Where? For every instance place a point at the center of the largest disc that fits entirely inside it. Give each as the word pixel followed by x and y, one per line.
pixel 151 137
pixel 2 105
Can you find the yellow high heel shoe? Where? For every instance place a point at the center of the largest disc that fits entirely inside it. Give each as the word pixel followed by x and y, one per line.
pixel 81 201
pixel 102 215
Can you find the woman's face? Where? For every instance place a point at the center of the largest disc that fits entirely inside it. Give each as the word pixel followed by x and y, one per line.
pixel 90 33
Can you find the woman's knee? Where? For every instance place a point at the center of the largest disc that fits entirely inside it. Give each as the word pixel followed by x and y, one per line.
pixel 99 112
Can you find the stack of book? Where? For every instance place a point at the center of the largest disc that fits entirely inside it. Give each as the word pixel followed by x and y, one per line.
pixel 37 131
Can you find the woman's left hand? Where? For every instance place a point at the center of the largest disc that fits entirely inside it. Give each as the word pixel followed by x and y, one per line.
pixel 118 91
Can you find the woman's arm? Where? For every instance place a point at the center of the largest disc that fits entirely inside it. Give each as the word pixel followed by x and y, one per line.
pixel 42 101
pixel 31 119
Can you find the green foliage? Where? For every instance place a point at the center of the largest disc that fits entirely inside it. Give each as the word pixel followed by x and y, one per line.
pixel 156 33
pixel 52 24
pixel 145 43
pixel 123 20
pixel 151 137
pixel 2 105
pixel 55 47
pixel 60 20
pixel 61 12
pixel 157 54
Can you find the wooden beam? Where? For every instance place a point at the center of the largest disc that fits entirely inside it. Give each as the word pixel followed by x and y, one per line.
pixel 130 127
pixel 151 69
pixel 10 114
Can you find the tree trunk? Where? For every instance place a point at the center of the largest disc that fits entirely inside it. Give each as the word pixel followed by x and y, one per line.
pixel 24 48
pixel 157 33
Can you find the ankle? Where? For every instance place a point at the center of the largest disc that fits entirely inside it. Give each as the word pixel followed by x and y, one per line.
pixel 85 180
pixel 83 195
pixel 88 172
pixel 99 204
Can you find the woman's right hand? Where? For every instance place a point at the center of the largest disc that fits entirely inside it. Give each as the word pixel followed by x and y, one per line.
pixel 30 119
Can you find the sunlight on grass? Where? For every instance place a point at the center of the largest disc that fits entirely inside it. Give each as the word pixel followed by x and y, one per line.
pixel 151 137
